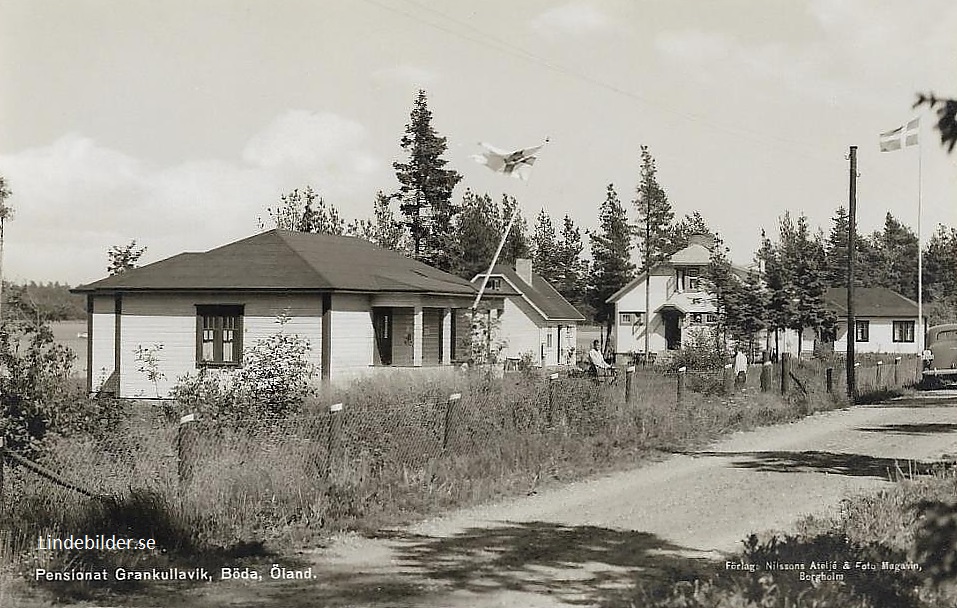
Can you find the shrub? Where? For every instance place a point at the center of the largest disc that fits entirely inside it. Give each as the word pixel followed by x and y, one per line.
pixel 274 381
pixel 33 382
pixel 699 351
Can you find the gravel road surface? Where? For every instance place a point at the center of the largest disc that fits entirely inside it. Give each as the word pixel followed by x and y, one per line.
pixel 576 544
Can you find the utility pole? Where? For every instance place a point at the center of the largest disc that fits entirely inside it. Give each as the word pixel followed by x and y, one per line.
pixel 647 318
pixel 851 242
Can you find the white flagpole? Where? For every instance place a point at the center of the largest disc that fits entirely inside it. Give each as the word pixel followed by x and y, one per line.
pixel 498 252
pixel 920 248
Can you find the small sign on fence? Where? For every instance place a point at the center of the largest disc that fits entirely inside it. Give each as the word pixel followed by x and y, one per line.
pixel 187 418
pixel 455 396
pixel 335 407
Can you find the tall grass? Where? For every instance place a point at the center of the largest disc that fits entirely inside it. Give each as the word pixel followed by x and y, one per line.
pixel 399 451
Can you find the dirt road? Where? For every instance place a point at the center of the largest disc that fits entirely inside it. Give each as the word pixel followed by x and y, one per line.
pixel 579 543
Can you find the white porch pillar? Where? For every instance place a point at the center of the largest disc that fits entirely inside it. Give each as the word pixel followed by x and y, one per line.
pixel 446 336
pixel 417 336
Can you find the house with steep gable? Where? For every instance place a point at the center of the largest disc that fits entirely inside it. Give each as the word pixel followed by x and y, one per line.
pixel 362 308
pixel 536 320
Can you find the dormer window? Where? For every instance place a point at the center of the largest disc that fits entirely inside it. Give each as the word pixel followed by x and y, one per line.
pixel 689 279
pixel 494 284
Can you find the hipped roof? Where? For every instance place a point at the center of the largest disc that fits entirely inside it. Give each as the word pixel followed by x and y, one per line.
pixel 284 260
pixel 871 302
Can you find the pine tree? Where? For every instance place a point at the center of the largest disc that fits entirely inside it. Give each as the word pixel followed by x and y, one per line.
pixel 611 265
pixel 478 232
pixel 571 269
pixel 655 216
pixel 723 286
pixel 897 247
pixel 545 248
pixel 797 277
pixel 681 231
pixel 425 191
pixel 517 243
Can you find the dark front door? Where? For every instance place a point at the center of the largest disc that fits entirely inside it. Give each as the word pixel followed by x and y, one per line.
pixel 382 325
pixel 672 321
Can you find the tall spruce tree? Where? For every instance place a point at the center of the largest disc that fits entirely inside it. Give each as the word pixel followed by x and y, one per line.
pixel 545 248
pixel 425 191
pixel 611 265
pixel 653 230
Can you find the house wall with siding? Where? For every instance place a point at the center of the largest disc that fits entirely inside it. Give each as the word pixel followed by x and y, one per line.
pixel 170 320
pixel 352 338
pixel 432 336
pixel 103 337
pixel 522 326
pixel 880 340
pixel 630 336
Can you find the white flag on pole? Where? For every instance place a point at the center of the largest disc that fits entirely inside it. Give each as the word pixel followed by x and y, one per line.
pixel 518 163
pixel 906 135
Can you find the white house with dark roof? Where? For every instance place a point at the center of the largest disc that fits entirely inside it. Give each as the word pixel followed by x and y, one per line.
pixel 361 307
pixel 677 301
pixel 886 321
pixel 535 319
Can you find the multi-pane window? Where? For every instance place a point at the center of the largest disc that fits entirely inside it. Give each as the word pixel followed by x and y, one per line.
pixel 691 279
pixel 903 331
pixel 494 284
pixel 862 331
pixel 630 318
pixel 219 335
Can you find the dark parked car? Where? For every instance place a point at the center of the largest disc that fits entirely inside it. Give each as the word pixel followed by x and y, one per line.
pixel 940 356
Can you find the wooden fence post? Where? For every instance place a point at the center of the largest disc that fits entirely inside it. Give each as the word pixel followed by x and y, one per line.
pixel 448 418
pixel 785 373
pixel 765 373
pixel 3 457
pixel 897 379
pixel 186 449
pixel 727 384
pixel 550 414
pixel 880 375
pixel 829 380
pixel 629 375
pixel 335 432
pixel 681 382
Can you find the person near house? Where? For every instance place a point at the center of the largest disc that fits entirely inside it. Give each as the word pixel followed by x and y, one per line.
pixel 599 366
pixel 740 369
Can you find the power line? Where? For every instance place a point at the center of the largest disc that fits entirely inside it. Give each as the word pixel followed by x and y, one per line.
pixel 496 43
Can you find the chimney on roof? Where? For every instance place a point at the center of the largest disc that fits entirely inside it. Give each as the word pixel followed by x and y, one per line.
pixel 523 268
pixel 705 240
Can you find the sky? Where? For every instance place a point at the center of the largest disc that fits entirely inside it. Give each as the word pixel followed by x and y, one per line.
pixel 177 123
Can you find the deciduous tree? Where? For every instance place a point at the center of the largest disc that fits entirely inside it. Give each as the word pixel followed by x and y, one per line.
pixel 123 258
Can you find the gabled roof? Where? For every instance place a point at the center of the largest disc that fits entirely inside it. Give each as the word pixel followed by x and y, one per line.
pixel 540 294
pixel 283 260
pixel 870 302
